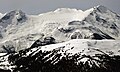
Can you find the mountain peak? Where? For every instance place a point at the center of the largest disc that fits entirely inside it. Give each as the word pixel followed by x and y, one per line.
pixel 13 17
pixel 13 13
pixel 101 8
pixel 67 10
pixel 16 12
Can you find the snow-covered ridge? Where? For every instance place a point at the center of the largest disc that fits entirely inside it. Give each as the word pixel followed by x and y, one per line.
pixel 54 53
pixel 1 15
pixel 76 14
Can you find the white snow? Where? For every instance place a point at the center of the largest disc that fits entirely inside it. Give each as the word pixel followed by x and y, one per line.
pixel 85 46
pixel 44 23
pixel 24 34
pixel 1 15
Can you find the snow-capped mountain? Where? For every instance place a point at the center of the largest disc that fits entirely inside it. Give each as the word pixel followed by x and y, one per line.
pixel 79 39
pixel 63 24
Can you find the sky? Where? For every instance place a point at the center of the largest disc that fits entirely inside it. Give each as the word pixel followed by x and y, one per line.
pixel 41 6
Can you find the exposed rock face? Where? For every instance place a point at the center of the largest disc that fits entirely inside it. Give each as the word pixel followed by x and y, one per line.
pixel 11 17
pixel 7 47
pixel 100 37
pixel 42 42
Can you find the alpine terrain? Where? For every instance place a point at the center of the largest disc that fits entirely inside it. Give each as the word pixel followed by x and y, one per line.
pixel 64 40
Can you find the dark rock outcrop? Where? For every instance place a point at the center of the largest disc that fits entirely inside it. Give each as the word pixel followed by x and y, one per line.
pixel 17 15
pixel 42 42
pixel 100 37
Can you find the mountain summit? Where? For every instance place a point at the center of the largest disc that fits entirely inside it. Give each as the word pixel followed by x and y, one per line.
pixel 13 17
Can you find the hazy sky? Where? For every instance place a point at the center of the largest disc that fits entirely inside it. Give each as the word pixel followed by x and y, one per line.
pixel 40 6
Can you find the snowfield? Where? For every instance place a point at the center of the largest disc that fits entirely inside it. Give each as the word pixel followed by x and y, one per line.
pixel 86 46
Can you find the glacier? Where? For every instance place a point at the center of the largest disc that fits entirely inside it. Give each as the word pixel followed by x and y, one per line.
pixel 63 24
pixel 63 32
